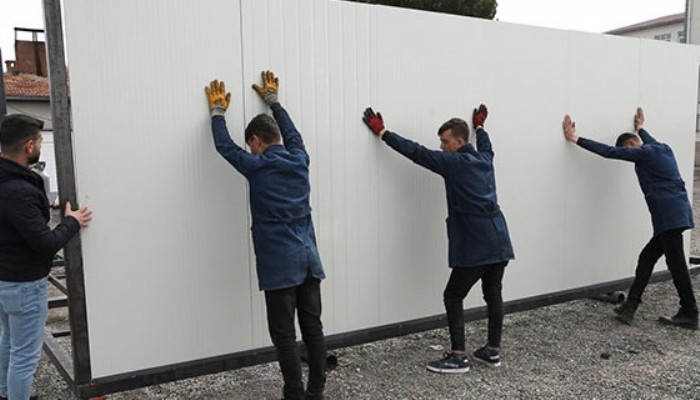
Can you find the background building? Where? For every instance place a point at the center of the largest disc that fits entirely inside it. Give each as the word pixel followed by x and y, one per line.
pixel 670 28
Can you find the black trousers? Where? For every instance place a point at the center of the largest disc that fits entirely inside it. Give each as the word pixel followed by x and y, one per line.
pixel 669 244
pixel 458 286
pixel 305 299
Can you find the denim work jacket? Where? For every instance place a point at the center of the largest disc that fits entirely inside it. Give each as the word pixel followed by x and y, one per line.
pixel 657 171
pixel 476 228
pixel 283 232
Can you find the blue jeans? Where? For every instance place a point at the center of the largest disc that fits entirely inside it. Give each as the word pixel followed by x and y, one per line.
pixel 23 311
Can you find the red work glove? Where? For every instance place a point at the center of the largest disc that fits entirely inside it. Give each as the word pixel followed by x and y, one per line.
pixel 373 121
pixel 479 116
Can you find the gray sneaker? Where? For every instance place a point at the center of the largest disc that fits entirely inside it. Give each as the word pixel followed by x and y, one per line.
pixel 450 364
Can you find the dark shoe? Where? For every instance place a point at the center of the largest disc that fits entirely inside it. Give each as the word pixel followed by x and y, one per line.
pixel 450 364
pixel 300 396
pixel 625 312
pixel 487 356
pixel 682 320
pixel 314 396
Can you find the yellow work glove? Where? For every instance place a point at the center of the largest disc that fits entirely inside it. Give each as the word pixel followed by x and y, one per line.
pixel 268 92
pixel 218 98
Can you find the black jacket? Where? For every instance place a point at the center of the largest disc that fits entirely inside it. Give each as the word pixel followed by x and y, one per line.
pixel 27 245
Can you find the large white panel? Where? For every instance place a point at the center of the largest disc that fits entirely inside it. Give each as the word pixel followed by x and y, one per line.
pixel 604 205
pixel 666 74
pixel 172 223
pixel 167 268
pixel 463 63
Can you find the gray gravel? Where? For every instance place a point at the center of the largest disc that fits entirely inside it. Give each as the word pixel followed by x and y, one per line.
pixel 565 351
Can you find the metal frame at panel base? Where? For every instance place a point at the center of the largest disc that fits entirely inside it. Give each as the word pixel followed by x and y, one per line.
pixel 190 369
pixel 75 366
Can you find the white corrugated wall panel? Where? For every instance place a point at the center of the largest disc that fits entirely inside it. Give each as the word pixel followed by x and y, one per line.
pixel 172 225
pixel 167 266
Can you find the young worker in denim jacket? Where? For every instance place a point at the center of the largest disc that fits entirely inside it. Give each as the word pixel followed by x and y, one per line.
pixel 479 243
pixel 667 200
pixel 287 260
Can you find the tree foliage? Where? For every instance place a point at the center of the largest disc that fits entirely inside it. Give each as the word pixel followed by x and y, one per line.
pixel 474 8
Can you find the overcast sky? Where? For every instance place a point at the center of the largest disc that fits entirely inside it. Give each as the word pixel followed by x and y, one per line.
pixel 582 15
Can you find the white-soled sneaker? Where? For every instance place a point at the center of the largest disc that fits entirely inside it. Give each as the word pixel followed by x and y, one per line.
pixel 450 364
pixel 484 355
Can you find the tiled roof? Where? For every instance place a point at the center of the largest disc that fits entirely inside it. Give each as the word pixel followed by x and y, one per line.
pixel 652 23
pixel 26 85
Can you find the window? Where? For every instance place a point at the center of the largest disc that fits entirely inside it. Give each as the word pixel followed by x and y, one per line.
pixel 663 36
pixel 681 36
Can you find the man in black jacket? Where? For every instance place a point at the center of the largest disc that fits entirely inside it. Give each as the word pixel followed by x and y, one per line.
pixel 27 247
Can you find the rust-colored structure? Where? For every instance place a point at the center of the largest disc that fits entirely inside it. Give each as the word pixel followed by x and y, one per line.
pixel 30 55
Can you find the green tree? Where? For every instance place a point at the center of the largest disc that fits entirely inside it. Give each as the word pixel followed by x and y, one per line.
pixel 474 8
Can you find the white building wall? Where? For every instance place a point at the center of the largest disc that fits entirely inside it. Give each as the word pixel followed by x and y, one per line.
pixel 170 238
pixel 675 31
pixel 40 109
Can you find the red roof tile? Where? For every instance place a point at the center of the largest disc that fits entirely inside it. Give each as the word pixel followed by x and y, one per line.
pixel 26 85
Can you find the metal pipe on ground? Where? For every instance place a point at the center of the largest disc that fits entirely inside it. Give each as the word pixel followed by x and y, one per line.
pixel 616 297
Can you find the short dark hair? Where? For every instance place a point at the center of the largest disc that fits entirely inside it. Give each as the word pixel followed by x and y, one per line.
pixel 16 129
pixel 263 126
pixel 623 138
pixel 459 127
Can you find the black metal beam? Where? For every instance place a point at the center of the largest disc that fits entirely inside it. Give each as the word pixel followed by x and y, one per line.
pixel 169 373
pixel 3 101
pixel 58 261
pixel 57 283
pixel 60 357
pixel 59 334
pixel 58 302
pixel 63 146
pixel 175 372
pixel 33 30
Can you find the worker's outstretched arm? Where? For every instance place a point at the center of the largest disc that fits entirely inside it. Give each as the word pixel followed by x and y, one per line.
pixel 603 150
pixel 219 101
pixel 483 143
pixel 436 161
pixel 269 94
pixel 639 127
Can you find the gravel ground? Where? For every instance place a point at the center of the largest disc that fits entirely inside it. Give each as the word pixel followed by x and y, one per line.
pixel 565 351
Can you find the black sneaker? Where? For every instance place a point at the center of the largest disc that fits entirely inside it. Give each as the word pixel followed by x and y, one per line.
pixel 487 356
pixel 450 364
pixel 682 320
pixel 314 396
pixel 625 312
